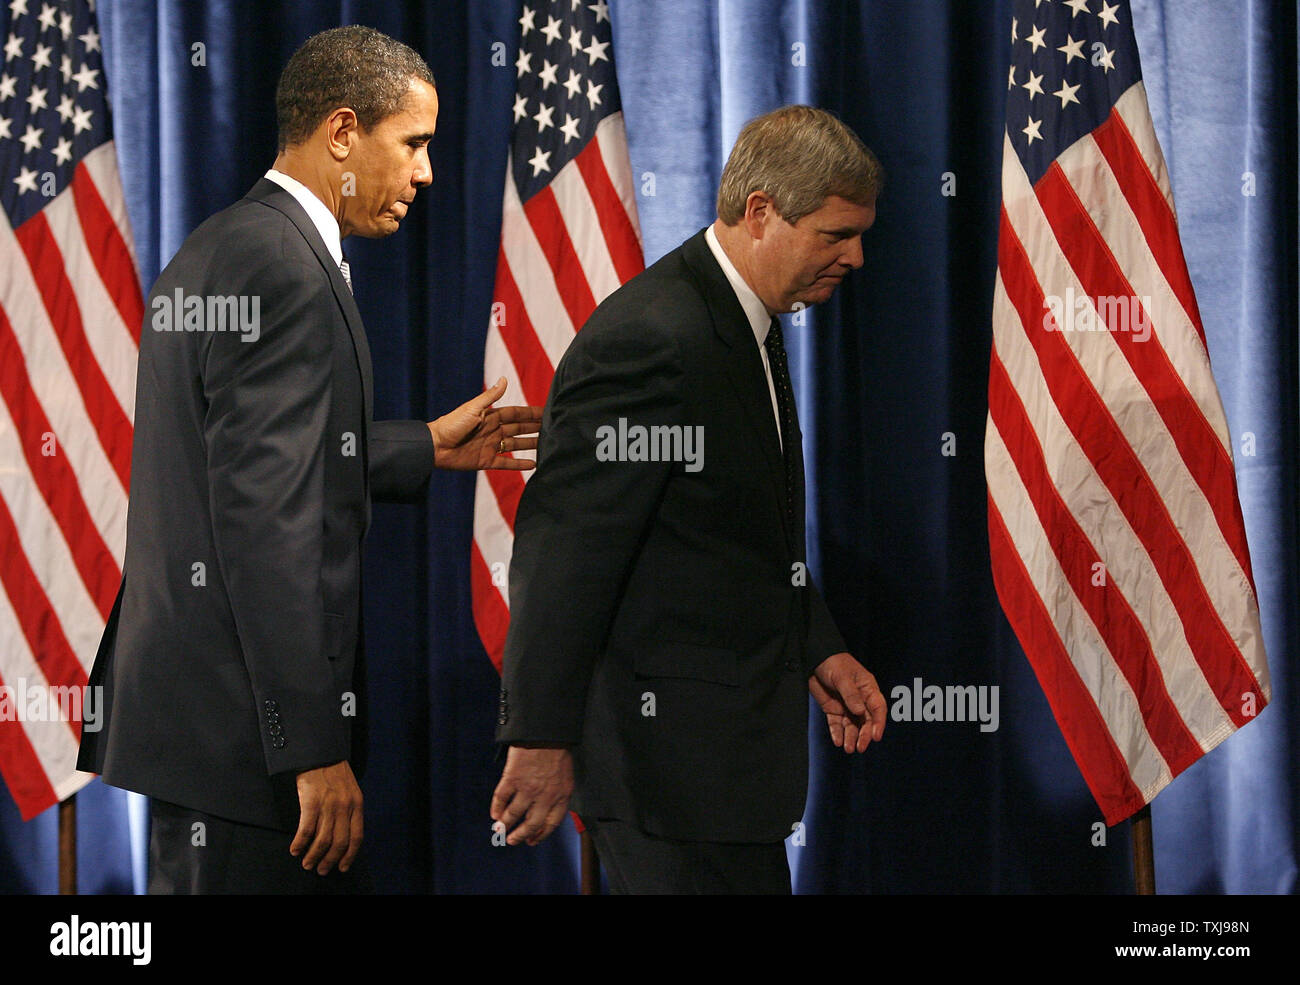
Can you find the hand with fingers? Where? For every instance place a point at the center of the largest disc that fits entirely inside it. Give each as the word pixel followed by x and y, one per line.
pixel 533 794
pixel 855 708
pixel 329 823
pixel 477 435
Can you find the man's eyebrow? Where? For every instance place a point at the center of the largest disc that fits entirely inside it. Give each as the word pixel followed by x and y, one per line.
pixel 845 231
pixel 424 138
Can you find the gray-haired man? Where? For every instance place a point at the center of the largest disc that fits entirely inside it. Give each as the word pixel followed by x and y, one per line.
pixel 664 633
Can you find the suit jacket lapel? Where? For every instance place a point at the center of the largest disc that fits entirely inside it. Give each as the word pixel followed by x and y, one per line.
pixel 744 365
pixel 270 193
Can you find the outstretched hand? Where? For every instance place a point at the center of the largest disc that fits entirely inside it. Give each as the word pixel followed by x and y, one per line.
pixel 849 696
pixel 477 435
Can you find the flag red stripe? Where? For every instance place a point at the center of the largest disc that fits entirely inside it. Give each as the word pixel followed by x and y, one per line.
pixel 1104 444
pixel 102 409
pixel 491 616
pixel 1099 759
pixel 54 476
pixel 1115 620
pixel 615 226
pixel 1151 208
pixel 526 352
pixel 108 251
pixel 22 770
pixel 1100 275
pixel 544 216
pixel 39 623
pixel 507 487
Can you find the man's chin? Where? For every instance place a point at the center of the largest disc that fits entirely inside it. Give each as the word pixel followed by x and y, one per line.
pixel 814 295
pixel 384 226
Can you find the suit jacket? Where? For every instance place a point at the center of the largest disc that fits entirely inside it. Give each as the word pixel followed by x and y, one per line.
pixel 660 620
pixel 235 642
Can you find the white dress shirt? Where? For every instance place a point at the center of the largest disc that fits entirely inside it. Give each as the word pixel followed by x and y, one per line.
pixel 759 320
pixel 321 217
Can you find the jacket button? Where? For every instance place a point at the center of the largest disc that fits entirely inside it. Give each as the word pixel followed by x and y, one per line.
pixel 792 665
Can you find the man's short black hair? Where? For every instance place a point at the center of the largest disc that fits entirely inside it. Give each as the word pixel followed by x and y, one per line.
pixel 352 66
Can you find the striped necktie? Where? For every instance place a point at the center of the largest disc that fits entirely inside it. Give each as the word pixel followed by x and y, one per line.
pixel 347 273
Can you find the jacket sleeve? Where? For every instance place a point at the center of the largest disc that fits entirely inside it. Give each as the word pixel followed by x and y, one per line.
pixel 401 460
pixel 580 522
pixel 268 403
pixel 824 637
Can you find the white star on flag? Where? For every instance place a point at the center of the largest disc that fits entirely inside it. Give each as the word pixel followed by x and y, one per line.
pixel 539 161
pixel 543 117
pixel 1066 94
pixel 26 180
pixel 85 78
pixel 32 138
pixel 1072 49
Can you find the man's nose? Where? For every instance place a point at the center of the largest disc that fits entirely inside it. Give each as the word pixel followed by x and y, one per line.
pixel 852 255
pixel 423 173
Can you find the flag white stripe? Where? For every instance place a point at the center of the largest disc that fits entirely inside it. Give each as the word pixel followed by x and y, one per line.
pixel 611 136
pixel 53 741
pixel 1088 172
pixel 533 276
pixel 577 208
pixel 101 163
pixel 1092 660
pixel 1129 405
pixel 111 344
pixel 60 398
pixel 1132 108
pixel 1129 568
pixel 491 532
pixel 46 550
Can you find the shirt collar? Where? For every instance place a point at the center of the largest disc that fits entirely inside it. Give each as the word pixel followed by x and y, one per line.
pixel 321 217
pixel 759 320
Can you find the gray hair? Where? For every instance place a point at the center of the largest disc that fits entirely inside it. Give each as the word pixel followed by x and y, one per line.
pixel 352 66
pixel 797 155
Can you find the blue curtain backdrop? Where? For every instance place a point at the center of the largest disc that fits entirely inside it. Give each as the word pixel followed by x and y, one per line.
pixel 897 360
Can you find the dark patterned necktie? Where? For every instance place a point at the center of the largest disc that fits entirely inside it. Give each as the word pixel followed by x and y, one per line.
pixel 785 408
pixel 346 271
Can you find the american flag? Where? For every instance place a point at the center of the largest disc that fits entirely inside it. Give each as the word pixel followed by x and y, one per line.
pixel 569 238
pixel 1115 530
pixel 70 314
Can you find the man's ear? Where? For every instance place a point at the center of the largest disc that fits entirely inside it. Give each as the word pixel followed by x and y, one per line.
pixel 759 211
pixel 340 132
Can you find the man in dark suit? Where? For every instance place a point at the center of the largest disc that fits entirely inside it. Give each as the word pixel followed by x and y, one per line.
pixel 664 633
pixel 231 664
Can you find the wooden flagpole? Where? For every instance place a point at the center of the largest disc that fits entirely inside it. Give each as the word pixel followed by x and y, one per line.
pixel 590 865
pixel 68 846
pixel 1144 863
